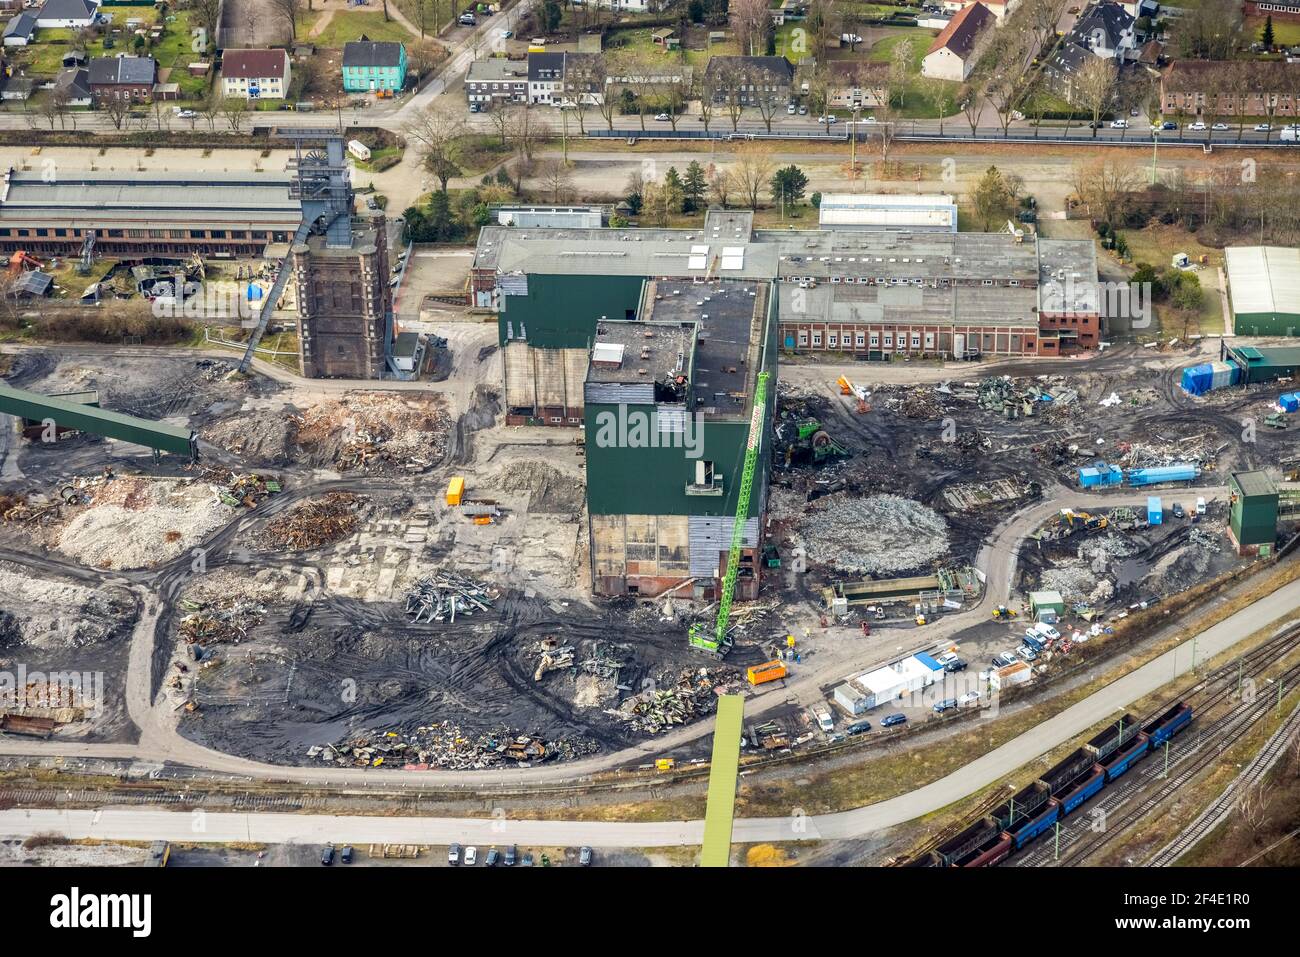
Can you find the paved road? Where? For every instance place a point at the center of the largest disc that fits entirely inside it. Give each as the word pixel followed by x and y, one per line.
pixel 142 824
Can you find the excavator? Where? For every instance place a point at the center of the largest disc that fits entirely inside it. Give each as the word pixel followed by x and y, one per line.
pixel 717 640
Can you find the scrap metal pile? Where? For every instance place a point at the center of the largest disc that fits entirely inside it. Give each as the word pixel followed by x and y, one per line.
pixel 445 745
pixel 315 524
pixel 444 595
pixel 1201 449
pixel 875 535
pixel 226 622
pixel 694 694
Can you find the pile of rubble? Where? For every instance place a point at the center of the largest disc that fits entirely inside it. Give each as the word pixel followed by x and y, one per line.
pixel 1201 449
pixel 444 595
pixel 376 432
pixel 881 534
pixel 445 745
pixel 315 524
pixel 237 489
pixel 225 622
pixel 693 695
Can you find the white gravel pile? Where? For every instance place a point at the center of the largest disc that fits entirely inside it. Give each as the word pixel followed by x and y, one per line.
pixel 882 534
pixel 113 536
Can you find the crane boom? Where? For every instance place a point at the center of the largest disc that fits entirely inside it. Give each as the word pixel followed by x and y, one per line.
pixel 758 417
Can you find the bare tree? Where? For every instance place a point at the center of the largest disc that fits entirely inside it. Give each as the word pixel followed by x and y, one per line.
pixel 501 118
pixel 768 104
pixel 749 19
pixel 733 79
pixel 234 108
pixel 751 172
pixel 557 181
pixel 115 109
pixel 438 136
pixel 288 12
pixel 210 109
pixel 704 92
pixel 721 184
pixel 1094 87
pixel 206 15
pixel 971 98
pixel 1105 185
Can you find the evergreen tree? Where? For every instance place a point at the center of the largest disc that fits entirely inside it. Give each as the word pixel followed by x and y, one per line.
pixel 695 185
pixel 1266 36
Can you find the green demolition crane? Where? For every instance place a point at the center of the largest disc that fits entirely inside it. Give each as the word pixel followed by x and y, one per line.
pixel 718 642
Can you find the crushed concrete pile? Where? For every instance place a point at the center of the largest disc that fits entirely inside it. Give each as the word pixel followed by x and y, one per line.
pixel 1075 581
pixel 446 745
pixel 141 523
pixel 52 614
pixel 315 524
pixel 549 490
pixel 375 432
pixel 882 534
pixel 1100 552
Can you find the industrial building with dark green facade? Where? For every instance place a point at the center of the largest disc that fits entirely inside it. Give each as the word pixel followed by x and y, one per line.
pixel 1252 512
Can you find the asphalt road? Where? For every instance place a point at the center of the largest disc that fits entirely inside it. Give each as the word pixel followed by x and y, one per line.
pixel 198 827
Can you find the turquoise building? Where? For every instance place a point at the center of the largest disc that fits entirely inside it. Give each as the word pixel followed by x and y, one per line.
pixel 370 65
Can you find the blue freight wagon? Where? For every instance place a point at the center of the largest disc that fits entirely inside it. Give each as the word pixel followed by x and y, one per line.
pixel 1101 476
pixel 1036 826
pixel 1168 724
pixel 1128 758
pixel 1083 791
pixel 1155 511
pixel 1060 777
pixel 1182 472
pixel 1022 806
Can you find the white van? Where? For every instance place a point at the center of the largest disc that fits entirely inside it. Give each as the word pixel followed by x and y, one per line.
pixel 1200 505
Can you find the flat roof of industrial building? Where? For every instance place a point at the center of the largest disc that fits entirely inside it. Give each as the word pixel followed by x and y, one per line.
pixel 1254 483
pixel 638 351
pixel 1263 279
pixel 147 200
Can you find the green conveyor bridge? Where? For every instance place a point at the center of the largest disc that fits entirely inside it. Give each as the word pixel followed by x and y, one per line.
pixel 88 418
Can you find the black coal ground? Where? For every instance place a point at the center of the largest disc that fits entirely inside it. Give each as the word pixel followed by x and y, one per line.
pixel 283 691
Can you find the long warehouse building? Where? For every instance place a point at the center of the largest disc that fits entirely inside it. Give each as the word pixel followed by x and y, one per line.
pixel 871 294
pixel 146 215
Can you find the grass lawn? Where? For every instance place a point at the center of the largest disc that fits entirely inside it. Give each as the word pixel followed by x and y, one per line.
pixel 1157 245
pixel 1285 32
pixel 792 42
pixel 348 25
pixel 915 103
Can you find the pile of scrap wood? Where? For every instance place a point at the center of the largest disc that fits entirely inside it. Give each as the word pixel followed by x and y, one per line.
pixel 444 595
pixel 316 523
pixel 444 745
pixel 694 695
pixel 227 623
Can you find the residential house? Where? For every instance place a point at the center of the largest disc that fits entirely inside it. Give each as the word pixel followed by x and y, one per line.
pixel 752 79
pixel 545 77
pixel 122 77
pixel 67 14
pixel 372 65
pixel 856 84
pixel 16 88
pixel 72 86
pixel 1231 88
pixel 20 30
pixel 1277 9
pixel 999 8
pixel 255 74
pixel 496 80
pixel 584 80
pixel 1106 29
pixel 954 51
pixel 1063 67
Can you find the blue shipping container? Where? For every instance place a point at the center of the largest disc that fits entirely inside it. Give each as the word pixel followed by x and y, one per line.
pixel 1290 402
pixel 1100 476
pixel 1155 512
pixel 1196 379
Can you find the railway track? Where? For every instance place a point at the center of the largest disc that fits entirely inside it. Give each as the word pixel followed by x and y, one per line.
pixel 1213 815
pixel 1122 804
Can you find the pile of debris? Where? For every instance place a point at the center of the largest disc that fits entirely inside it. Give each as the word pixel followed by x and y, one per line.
pixel 236 489
pixel 376 432
pixel 1001 395
pixel 224 622
pixel 881 534
pixel 1195 449
pixel 315 524
pixel 445 745
pixel 921 403
pixel 694 694
pixel 967 497
pixel 553 656
pixel 444 595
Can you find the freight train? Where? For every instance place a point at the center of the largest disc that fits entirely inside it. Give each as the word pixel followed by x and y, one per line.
pixel 1058 792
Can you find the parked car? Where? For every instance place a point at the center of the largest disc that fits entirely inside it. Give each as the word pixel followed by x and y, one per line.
pixel 1135 112
pixel 954 666
pixel 471 856
pixel 1220 127
pixel 185 114
pixel 1178 510
pixel 803 110
pixel 510 856
pixel 970 697
pixel 453 854
pixel 790 109
pixel 831 119
pixel 584 857
pixel 346 855
pixel 1025 653
pixel 889 720
pixel 473 108
pixel 1119 124
pixel 947 704
pixel 327 855
pixel 507 34
pixel 493 857
pixel 1043 628
pixel 857 727
pixel 1263 128
pixel 1169 125
pixel 850 38
pixel 946 657
pixel 527 861
pixel 1197 127
pixel 663 117
pixel 868 119
pixel 1004 659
